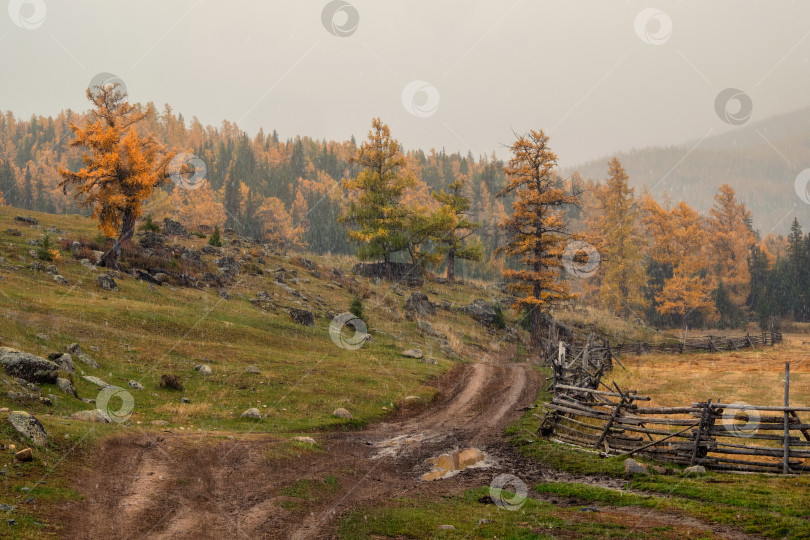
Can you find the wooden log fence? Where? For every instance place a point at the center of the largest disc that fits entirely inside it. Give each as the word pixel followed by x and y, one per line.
pixel 721 436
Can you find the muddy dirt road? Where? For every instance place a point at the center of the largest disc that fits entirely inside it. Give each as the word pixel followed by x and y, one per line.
pixel 167 485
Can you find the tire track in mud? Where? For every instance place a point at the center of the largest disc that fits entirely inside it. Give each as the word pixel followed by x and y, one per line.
pixel 165 485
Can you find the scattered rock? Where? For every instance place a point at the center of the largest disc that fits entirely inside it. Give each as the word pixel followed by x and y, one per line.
pixel 152 240
pixel 92 379
pixel 28 426
pixel 64 361
pixel 27 220
pixel 77 351
pixel 657 469
pixel 87 264
pixel 135 384
pixel 306 263
pixel 302 316
pixel 222 293
pixel 185 400
pixel 228 266
pixel 631 466
pixel 174 228
pixel 412 399
pixel 252 369
pixel 253 412
pixel 447 527
pixel 205 370
pixel 27 366
pixel 143 275
pixel 65 386
pixel 695 469
pixel 413 353
pixel 52 269
pixel 14 232
pixel 106 282
pixel 61 280
pixel 482 311
pixel 211 250
pixel 589 509
pixel 342 413
pixel 419 303
pixel 306 440
pixel 95 415
pixel 431 361
pixel 159 423
pixel 25 455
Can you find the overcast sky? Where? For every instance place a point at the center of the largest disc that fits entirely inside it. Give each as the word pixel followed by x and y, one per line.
pixel 593 74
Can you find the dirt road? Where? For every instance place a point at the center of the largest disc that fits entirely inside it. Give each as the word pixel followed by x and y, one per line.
pixel 167 485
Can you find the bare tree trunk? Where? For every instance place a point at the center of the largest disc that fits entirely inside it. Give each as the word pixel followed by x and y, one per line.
pixel 111 257
pixel 389 271
pixel 451 266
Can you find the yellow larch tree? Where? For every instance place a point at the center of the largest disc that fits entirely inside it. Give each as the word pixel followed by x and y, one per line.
pixel 121 169
pixel 536 229
pixel 731 237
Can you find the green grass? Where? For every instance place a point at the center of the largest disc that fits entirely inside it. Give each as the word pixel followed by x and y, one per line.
pixel 536 519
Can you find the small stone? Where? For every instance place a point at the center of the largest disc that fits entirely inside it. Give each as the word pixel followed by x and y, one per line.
pixel 589 509
pixel 447 527
pixel 43 337
pixel 95 380
pixel 252 369
pixel 185 400
pixel 135 384
pixel 25 455
pixel 306 440
pixel 412 353
pixel 6 508
pixel 205 370
pixel 342 413
pixel 28 426
pixel 631 466
pixel 695 469
pixel 484 521
pixel 657 469
pixel 61 280
pixel 95 415
pixel 11 522
pixel 159 423
pixel 252 413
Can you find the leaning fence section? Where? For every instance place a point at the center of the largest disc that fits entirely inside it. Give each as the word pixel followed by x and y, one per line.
pixel 705 343
pixel 586 411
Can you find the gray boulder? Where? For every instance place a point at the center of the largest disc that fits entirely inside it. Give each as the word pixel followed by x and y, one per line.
pixel 342 413
pixel 482 311
pixel 252 369
pixel 412 353
pixel 106 282
pixel 419 303
pixel 302 316
pixel 174 228
pixel 135 384
pixel 252 413
pixel 61 280
pixel 95 380
pixel 631 466
pixel 152 240
pixel 65 362
pixel 228 266
pixel 28 426
pixel 77 351
pixel 695 469
pixel 27 366
pixel 65 386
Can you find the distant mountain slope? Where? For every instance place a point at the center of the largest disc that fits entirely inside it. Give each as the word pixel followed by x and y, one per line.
pixel 760 161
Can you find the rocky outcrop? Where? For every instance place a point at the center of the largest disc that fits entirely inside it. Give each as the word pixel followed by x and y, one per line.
pixel 152 240
pixel 482 311
pixel 106 282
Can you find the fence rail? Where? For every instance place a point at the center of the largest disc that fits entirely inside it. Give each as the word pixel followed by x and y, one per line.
pixel 722 436
pixel 705 343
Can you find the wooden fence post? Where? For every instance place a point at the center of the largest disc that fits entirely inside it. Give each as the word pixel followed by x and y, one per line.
pixel 785 464
pixel 708 410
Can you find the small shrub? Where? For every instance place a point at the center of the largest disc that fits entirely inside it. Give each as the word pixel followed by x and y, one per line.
pixel 171 382
pixel 101 240
pixel 150 225
pixel 198 234
pixel 499 320
pixel 356 308
pixel 215 239
pixel 47 250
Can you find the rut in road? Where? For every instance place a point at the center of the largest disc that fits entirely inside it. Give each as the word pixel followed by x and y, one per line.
pixel 166 485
